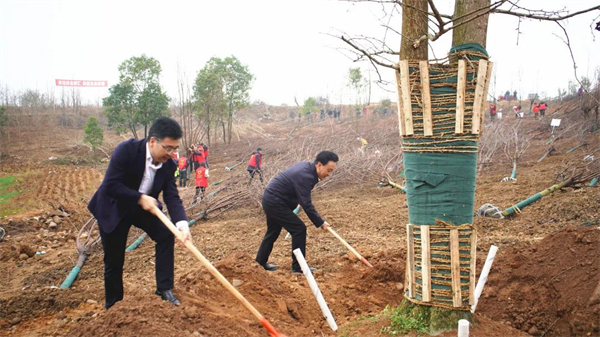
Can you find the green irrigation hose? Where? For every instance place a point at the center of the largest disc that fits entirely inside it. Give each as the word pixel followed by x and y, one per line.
pixel 232 167
pixel 70 278
pixel 593 182
pixel 137 242
pixel 511 210
pixel 575 148
pixel 217 183
pixel 74 272
pixel 513 175
pixel 213 193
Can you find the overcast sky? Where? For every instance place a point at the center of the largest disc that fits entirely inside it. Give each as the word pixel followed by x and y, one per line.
pixel 286 44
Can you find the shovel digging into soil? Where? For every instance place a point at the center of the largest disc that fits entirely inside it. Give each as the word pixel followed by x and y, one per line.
pixel 189 245
pixel 358 256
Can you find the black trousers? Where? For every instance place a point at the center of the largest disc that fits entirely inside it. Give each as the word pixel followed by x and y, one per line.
pixel 198 190
pixel 182 178
pixel 114 244
pixel 280 216
pixel 252 173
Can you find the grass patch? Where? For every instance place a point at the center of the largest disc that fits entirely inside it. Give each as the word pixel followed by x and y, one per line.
pixel 5 183
pixel 8 183
pixel 411 317
pixel 407 317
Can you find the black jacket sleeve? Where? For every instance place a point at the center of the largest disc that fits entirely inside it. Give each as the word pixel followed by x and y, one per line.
pixel 303 189
pixel 172 199
pixel 115 176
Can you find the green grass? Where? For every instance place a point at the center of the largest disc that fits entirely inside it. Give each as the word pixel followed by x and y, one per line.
pixel 407 317
pixel 7 183
pixel 410 317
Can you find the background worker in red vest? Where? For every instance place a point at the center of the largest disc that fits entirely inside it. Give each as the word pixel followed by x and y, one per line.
pixel 536 109
pixel 205 153
pixel 255 165
pixel 201 181
pixel 517 110
pixel 543 108
pixel 197 157
pixel 493 111
pixel 182 164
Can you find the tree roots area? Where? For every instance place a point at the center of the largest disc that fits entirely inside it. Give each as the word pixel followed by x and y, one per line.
pixel 545 279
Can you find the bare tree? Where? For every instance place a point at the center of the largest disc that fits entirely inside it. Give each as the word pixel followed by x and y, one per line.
pixel 467 14
pixel 489 144
pixel 516 144
pixel 191 125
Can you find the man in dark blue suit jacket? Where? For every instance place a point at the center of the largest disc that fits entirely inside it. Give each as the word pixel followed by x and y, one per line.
pixel 138 171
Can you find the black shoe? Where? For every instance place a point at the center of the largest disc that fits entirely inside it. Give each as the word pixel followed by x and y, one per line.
pixel 167 295
pixel 299 271
pixel 270 267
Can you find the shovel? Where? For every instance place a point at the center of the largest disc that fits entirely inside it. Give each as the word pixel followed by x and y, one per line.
pixel 362 259
pixel 263 321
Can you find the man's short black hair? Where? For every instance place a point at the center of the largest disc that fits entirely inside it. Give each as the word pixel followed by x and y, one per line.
pixel 165 127
pixel 259 149
pixel 325 157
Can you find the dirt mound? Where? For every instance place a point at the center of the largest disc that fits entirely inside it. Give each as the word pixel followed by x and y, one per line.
pixel 547 286
pixel 388 267
pixel 39 301
pixel 140 315
pixel 284 299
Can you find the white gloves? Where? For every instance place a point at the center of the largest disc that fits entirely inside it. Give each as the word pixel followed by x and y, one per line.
pixel 184 228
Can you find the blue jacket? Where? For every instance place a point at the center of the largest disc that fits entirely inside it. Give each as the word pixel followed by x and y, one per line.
pixel 118 192
pixel 294 186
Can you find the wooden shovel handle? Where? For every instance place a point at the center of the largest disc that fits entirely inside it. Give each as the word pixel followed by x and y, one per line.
pixel 362 259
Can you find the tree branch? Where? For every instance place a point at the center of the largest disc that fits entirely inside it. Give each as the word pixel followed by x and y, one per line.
pixel 545 16
pixel 368 55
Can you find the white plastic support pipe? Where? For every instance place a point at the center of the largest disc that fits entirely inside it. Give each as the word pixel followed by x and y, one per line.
pixel 484 275
pixel 463 328
pixel 315 289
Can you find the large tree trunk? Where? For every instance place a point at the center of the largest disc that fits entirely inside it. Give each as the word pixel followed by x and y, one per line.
pixel 414 26
pixel 426 284
pixel 208 127
pixel 472 31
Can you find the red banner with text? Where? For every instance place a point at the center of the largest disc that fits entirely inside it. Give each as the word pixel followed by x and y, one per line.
pixel 81 83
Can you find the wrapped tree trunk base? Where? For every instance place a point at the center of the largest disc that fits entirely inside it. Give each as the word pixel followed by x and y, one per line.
pixel 441 115
pixel 440 267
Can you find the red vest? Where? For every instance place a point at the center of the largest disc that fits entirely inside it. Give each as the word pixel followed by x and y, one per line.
pixel 536 108
pixel 201 179
pixel 199 157
pixel 543 106
pixel 182 163
pixel 252 162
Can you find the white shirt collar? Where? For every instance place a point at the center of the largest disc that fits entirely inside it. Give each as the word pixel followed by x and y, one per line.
pixel 149 159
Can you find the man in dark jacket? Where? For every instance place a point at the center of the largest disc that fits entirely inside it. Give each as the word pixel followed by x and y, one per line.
pixel 255 165
pixel 288 189
pixel 138 171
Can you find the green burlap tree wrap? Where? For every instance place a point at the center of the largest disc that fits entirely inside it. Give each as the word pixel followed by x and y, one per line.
pixel 440 174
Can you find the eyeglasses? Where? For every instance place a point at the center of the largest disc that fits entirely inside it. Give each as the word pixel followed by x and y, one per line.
pixel 169 149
